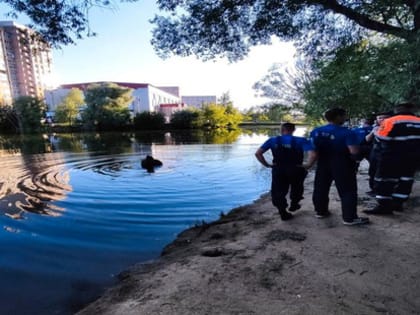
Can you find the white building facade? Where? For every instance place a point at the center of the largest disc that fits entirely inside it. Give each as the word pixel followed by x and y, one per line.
pixel 146 97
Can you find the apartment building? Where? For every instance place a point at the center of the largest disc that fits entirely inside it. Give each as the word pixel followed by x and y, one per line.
pixel 27 62
pixel 5 91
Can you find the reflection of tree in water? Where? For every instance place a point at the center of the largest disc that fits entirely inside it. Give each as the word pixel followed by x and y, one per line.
pixel 111 142
pixel 149 137
pixel 260 130
pixel 30 183
pixel 219 136
pixel 69 142
pixel 25 144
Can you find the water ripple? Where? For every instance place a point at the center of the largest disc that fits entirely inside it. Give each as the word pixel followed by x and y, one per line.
pixel 85 216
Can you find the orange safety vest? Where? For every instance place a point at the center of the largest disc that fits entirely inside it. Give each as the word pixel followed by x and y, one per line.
pixel 399 128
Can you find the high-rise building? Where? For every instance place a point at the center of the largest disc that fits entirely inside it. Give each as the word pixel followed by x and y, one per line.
pixel 27 62
pixel 5 92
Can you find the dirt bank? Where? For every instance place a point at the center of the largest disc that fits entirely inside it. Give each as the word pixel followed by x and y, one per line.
pixel 251 262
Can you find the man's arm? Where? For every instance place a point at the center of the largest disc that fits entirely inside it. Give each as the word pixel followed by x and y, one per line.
pixel 355 152
pixel 260 157
pixel 312 158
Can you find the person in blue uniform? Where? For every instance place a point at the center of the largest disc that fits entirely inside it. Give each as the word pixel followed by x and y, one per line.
pixel 287 170
pixel 336 151
pixel 361 133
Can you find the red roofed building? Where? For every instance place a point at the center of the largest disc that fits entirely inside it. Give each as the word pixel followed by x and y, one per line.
pixel 146 97
pixel 169 109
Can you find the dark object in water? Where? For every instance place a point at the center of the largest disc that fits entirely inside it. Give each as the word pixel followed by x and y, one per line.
pixel 149 163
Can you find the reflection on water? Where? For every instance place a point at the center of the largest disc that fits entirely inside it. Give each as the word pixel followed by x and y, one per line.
pixel 77 209
pixel 29 183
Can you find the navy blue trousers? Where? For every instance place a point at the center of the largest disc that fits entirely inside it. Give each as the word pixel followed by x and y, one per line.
pixel 285 178
pixel 342 171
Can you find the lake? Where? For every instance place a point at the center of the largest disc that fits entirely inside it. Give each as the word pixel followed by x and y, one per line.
pixel 77 209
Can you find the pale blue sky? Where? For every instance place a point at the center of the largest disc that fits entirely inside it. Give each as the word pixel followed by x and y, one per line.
pixel 122 52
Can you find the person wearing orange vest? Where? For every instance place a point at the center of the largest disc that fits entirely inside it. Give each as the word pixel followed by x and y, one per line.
pixel 398 159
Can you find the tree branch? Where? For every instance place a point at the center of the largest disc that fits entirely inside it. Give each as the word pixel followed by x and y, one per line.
pixel 364 20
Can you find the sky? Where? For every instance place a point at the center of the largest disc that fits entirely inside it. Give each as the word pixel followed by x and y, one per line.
pixel 122 52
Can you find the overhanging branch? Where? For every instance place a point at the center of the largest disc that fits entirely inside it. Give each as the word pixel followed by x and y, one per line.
pixel 364 20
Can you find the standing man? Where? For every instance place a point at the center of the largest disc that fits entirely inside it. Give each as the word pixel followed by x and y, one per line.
pixel 398 159
pixel 374 153
pixel 361 132
pixel 287 169
pixel 337 150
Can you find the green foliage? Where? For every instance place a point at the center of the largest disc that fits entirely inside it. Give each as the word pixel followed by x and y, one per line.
pixel 254 114
pixel 185 119
pixel 29 111
pixel 149 121
pixel 58 22
pixel 210 29
pixel 8 120
pixel 69 108
pixel 211 116
pixel 275 112
pixel 225 99
pixel 106 107
pixel 365 78
pixel 215 116
pixel 221 136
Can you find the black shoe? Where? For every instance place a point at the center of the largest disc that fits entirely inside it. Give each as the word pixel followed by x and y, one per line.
pixel 286 215
pixel 294 207
pixel 357 221
pixel 378 210
pixel 322 215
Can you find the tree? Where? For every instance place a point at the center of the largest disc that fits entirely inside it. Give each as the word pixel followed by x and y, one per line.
pixel 69 108
pixel 9 122
pixel 149 121
pixel 29 111
pixel 225 99
pixel 254 114
pixel 209 29
pixel 106 106
pixel 185 119
pixel 285 84
pixel 366 78
pixel 58 22
pixel 214 116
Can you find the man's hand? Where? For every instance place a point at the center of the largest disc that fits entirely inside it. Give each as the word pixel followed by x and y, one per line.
pixel 260 157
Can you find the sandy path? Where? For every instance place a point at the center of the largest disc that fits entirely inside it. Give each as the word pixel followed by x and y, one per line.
pixel 251 262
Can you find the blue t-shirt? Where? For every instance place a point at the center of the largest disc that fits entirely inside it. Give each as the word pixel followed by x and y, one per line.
pixel 333 140
pixel 287 149
pixel 362 132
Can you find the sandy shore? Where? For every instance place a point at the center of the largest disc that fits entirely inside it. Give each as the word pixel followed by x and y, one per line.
pixel 251 262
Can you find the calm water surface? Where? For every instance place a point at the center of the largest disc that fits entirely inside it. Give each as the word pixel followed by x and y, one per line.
pixel 76 210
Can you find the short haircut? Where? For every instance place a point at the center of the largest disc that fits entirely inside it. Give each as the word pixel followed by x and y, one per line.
pixel 388 113
pixel 405 107
pixel 288 126
pixel 332 113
